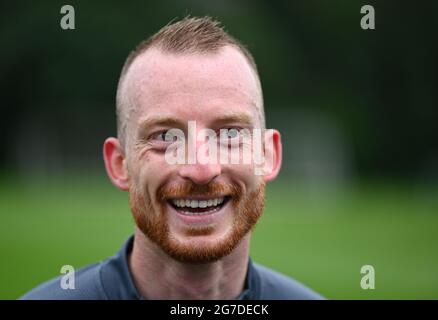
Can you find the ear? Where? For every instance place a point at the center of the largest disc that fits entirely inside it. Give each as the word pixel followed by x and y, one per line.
pixel 115 163
pixel 273 155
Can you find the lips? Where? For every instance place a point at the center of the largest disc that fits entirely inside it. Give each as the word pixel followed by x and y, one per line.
pixel 196 207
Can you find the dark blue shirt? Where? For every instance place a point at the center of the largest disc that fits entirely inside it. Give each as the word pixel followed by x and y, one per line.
pixel 112 280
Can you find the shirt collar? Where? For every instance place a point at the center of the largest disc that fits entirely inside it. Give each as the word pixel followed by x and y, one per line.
pixel 118 283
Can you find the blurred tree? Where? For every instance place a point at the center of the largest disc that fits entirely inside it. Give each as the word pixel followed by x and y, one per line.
pixel 378 87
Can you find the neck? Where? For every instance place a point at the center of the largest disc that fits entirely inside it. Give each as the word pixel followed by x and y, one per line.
pixel 158 276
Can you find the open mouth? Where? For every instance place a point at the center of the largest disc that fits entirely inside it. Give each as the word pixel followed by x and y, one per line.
pixel 198 207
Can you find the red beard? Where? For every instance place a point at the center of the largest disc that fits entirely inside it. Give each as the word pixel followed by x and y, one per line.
pixel 247 209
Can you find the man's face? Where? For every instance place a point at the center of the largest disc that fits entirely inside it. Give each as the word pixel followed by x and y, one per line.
pixel 195 212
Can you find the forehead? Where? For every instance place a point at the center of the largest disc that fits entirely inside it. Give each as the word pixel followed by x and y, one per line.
pixel 192 86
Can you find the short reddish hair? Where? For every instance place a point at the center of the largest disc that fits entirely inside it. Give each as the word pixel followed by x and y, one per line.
pixel 189 35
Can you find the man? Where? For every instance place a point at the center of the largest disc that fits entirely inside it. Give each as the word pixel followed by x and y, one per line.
pixel 193 218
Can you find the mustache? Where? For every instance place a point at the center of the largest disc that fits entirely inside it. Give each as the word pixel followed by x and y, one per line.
pixel 190 189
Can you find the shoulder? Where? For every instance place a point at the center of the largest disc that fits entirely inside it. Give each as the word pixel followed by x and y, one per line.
pixel 87 286
pixel 277 286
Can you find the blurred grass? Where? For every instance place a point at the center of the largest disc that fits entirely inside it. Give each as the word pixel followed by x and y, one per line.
pixel 321 237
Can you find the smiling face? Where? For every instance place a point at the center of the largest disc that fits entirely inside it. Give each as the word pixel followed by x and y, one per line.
pixel 194 212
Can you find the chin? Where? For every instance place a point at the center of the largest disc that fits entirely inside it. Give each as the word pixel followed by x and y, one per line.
pixel 202 248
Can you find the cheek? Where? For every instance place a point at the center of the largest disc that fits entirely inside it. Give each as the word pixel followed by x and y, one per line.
pixel 243 174
pixel 138 168
pixel 152 170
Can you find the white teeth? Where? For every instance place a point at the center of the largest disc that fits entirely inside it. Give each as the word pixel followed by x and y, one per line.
pixel 181 203
pixel 188 213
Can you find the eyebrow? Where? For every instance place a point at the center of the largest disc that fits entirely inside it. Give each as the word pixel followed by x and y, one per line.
pixel 170 121
pixel 165 121
pixel 234 117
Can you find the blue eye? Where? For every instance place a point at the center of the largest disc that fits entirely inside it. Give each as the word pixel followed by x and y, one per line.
pixel 164 136
pixel 230 133
pixel 233 133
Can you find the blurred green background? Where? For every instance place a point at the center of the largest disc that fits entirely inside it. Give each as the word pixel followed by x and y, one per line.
pixel 358 112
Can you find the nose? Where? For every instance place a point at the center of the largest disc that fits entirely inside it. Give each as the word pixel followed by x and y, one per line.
pixel 200 173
